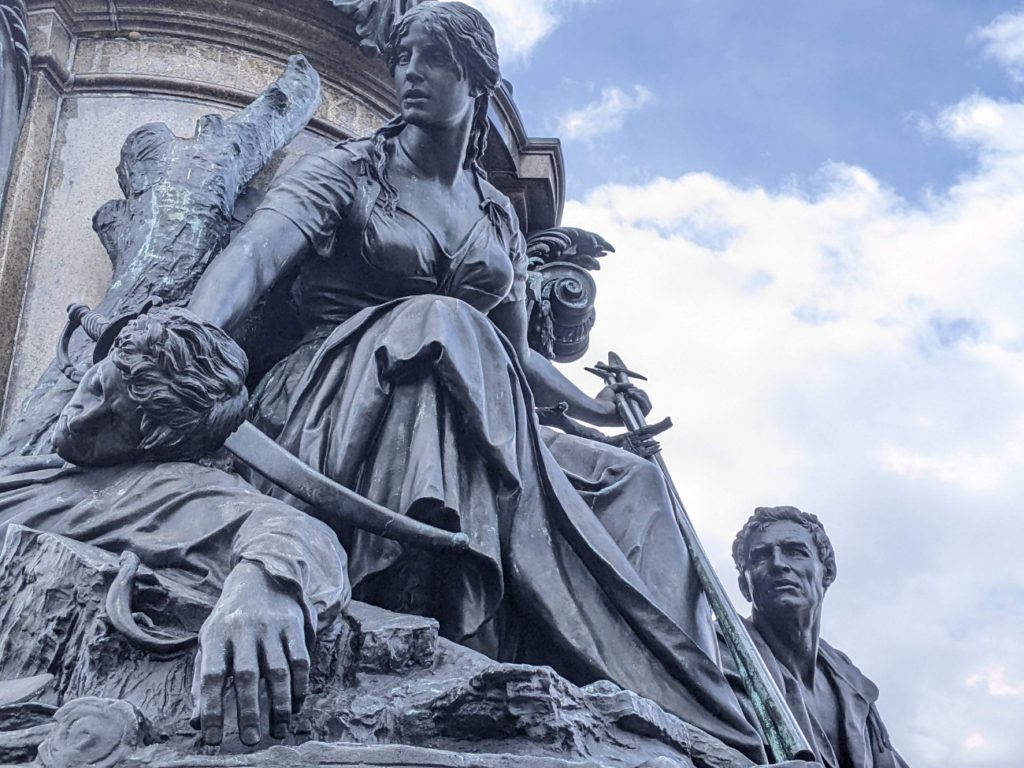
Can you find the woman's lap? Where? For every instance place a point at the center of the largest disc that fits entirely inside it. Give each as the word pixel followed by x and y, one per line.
pixel 419 405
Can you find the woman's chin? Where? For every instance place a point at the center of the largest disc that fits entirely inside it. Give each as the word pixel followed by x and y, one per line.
pixel 416 116
pixel 423 119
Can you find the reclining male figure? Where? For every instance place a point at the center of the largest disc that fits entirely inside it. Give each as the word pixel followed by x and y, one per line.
pixel 128 476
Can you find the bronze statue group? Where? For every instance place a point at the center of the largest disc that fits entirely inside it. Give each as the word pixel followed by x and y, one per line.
pixel 414 385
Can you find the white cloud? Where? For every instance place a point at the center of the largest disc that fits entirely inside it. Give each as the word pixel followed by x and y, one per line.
pixel 861 356
pixel 996 682
pixel 971 472
pixel 1003 40
pixel 521 24
pixel 605 115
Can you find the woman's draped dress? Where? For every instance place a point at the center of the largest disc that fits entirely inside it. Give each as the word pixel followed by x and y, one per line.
pixel 403 390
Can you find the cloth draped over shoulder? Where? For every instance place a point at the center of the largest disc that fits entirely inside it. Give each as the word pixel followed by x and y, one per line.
pixel 405 391
pixel 866 742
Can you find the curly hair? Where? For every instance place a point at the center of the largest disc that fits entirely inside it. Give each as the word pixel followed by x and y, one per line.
pixel 469 39
pixel 187 378
pixel 765 516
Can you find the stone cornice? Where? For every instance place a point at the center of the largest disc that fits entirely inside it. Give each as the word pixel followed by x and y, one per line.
pixel 119 46
pixel 270 29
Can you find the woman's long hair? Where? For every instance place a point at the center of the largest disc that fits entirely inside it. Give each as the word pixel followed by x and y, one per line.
pixel 469 39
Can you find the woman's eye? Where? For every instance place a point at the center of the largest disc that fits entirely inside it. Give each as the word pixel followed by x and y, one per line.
pixel 439 57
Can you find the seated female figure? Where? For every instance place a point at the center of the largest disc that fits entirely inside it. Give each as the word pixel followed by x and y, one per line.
pixel 414 385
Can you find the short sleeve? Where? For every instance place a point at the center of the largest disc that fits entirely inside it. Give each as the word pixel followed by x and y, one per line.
pixel 517 255
pixel 315 195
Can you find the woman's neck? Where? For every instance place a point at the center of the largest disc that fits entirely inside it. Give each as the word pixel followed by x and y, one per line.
pixel 436 154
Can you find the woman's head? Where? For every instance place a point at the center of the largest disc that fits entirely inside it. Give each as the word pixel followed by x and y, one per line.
pixel 463 31
pixel 465 39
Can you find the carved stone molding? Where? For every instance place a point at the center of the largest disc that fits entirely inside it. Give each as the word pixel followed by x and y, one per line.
pixel 14 83
pixel 221 52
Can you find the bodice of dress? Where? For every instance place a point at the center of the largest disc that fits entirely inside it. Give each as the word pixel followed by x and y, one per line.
pixel 363 261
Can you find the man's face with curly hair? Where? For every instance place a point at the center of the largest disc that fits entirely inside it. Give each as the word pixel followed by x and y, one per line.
pixel 101 425
pixel 783 571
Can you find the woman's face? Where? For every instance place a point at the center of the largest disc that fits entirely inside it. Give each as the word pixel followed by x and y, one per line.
pixel 431 90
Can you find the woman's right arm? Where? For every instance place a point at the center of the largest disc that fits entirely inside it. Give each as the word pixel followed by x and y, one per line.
pixel 264 249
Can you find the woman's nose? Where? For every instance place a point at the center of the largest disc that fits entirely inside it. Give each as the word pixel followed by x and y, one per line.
pixel 412 72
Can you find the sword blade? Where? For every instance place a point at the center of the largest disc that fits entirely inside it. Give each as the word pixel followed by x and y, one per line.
pixel 786 740
pixel 332 503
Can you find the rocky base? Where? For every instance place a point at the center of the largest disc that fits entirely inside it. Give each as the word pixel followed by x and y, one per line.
pixel 385 689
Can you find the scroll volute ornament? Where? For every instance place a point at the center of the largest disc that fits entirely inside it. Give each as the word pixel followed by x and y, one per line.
pixel 561 292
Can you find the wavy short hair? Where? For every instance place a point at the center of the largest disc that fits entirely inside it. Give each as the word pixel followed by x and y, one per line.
pixel 187 378
pixel 765 516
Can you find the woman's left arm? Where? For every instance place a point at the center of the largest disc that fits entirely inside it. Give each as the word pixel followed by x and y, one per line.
pixel 549 385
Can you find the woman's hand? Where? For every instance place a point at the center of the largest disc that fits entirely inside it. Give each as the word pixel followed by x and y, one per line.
pixel 607 396
pixel 641 442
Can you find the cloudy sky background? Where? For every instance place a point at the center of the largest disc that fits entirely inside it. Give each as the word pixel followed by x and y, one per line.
pixel 819 216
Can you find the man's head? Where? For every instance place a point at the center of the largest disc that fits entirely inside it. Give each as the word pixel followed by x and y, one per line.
pixel 172 388
pixel 784 558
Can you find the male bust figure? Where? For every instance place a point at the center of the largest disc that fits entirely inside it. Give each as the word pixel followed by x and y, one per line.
pixel 786 563
pixel 126 478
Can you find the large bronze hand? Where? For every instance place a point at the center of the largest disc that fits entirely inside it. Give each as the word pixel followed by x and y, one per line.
pixel 256 630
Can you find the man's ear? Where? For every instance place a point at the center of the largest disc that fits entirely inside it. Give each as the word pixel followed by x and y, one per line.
pixel 159 435
pixel 744 586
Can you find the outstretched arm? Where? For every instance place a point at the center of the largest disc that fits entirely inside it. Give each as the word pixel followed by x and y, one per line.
pixel 301 213
pixel 549 385
pixel 265 248
pixel 289 579
pixel 254 631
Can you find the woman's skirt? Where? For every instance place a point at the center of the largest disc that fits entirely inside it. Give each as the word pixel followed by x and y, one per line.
pixel 574 560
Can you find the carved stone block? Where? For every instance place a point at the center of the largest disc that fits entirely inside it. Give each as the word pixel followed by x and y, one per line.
pixel 383 683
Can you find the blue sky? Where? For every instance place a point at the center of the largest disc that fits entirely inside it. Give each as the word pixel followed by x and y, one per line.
pixel 759 92
pixel 818 210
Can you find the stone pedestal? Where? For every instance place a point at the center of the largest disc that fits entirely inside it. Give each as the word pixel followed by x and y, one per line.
pixel 384 688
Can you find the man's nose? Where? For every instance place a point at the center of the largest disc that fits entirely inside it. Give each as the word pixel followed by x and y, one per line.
pixel 778 561
pixel 83 420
